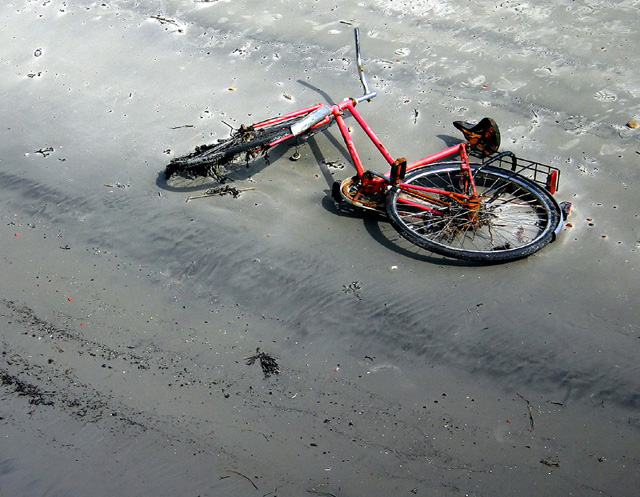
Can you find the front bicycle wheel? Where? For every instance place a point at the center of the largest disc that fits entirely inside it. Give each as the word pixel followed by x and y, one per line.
pixel 514 218
pixel 245 144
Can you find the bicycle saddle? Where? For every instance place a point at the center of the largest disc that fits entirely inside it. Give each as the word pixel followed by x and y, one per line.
pixel 483 137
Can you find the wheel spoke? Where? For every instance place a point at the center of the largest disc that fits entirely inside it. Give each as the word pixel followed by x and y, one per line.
pixel 509 218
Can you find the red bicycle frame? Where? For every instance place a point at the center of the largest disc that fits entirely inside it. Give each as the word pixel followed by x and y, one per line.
pixel 374 183
pixel 349 105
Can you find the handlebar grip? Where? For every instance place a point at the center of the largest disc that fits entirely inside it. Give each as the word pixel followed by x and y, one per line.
pixel 313 118
pixel 366 96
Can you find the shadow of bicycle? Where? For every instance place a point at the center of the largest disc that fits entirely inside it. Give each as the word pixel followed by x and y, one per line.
pixel 378 227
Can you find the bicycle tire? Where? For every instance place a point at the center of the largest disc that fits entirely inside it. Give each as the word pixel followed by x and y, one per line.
pixel 246 142
pixel 516 217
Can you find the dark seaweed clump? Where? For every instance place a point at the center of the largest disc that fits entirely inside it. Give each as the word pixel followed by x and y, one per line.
pixel 267 362
pixel 36 396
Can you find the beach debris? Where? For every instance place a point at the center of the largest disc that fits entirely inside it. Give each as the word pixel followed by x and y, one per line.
pixel 220 191
pixel 478 306
pixel 336 164
pixel 328 494
pixel 530 410
pixel 551 464
pixel 353 289
pixel 402 52
pixel 38 52
pixel 268 362
pixel 36 396
pixel 632 124
pixel 319 492
pixel 44 151
pixel 244 476
pixel 164 20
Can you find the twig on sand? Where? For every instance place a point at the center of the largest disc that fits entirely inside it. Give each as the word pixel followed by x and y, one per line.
pixel 227 190
pixel 164 20
pixel 244 476
pixel 530 410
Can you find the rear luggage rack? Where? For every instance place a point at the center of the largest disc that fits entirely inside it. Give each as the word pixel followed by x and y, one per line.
pixel 546 176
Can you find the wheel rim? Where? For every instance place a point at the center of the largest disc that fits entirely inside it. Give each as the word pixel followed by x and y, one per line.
pixel 512 217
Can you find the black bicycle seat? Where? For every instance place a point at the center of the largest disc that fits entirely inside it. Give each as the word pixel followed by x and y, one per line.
pixel 483 137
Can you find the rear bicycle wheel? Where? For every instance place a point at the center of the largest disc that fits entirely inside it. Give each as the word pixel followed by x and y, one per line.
pixel 514 219
pixel 245 144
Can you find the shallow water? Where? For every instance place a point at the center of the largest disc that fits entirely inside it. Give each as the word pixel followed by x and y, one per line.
pixel 117 89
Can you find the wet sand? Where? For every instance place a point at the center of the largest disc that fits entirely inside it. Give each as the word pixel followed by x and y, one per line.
pixel 127 314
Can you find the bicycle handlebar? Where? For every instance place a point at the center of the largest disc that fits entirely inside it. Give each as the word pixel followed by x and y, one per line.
pixel 368 94
pixel 322 112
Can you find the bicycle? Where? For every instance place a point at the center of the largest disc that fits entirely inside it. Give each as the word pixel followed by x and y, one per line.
pixel 498 209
